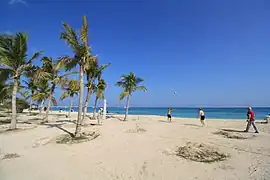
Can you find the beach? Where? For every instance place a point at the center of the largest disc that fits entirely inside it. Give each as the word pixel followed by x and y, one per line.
pixel 141 148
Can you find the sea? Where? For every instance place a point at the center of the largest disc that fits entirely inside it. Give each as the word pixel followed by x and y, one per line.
pixel 210 113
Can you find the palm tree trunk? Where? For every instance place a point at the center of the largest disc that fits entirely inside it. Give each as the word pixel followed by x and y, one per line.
pixel 14 109
pixel 49 103
pixel 79 120
pixel 95 108
pixel 127 106
pixel 31 102
pixel 41 107
pixel 88 96
pixel 70 106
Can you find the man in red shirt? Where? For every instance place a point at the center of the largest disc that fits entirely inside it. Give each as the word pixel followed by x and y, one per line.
pixel 251 120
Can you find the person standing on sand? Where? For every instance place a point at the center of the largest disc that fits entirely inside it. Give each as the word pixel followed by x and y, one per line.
pixel 251 120
pixel 169 115
pixel 202 116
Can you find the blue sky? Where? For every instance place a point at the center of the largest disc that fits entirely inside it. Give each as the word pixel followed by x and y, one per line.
pixel 211 52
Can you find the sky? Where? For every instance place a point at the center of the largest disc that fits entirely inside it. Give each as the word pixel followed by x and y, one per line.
pixel 212 53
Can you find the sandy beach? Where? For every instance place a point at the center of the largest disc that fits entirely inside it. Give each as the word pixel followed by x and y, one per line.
pixel 122 153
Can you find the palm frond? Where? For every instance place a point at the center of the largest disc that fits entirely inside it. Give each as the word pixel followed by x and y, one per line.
pixel 34 56
pixel 59 64
pixel 5 74
pixel 69 62
pixel 42 75
pixel 24 67
pixel 138 80
pixel 20 48
pixel 68 74
pixel 54 101
pixel 123 95
pixel 74 85
pixel 140 88
pixel 71 38
pixel 64 95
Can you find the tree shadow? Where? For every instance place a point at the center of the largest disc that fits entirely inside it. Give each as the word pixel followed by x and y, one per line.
pixel 261 122
pixel 5 121
pixel 59 127
pixel 66 121
pixel 118 118
pixel 233 130
pixel 194 125
pixel 35 119
pixel 164 121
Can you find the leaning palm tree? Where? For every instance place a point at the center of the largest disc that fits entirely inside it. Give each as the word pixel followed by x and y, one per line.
pixel 50 71
pixel 93 73
pixel 99 91
pixel 90 78
pixel 130 83
pixel 13 63
pixel 71 89
pixel 82 57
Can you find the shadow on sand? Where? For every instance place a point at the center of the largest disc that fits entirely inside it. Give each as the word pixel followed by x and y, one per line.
pixel 261 122
pixel 164 121
pixel 66 121
pixel 58 126
pixel 194 125
pixel 233 130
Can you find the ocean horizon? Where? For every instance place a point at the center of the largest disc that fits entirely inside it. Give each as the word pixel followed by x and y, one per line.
pixel 185 112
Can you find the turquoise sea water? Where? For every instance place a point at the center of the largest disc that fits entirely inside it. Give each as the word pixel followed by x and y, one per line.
pixel 211 113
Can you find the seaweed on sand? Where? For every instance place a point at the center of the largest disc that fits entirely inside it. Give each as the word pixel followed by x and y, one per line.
pixel 10 156
pixel 233 135
pixel 200 153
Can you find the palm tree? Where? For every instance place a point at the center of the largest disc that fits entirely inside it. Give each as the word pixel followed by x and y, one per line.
pixel 90 77
pixel 50 71
pixel 82 57
pixel 93 73
pixel 13 63
pixel 42 94
pixel 130 84
pixel 99 90
pixel 30 85
pixel 72 89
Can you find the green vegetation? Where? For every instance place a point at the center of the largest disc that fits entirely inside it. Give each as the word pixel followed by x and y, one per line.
pixel 130 83
pixel 20 79
pixel 13 63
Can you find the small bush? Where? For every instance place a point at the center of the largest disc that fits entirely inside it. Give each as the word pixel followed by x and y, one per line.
pixel 21 104
pixel 200 153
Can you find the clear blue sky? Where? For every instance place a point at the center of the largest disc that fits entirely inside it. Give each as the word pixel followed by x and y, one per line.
pixel 212 52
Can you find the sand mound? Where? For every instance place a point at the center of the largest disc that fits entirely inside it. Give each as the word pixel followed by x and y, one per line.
pixel 233 135
pixel 136 130
pixel 200 153
pixel 86 136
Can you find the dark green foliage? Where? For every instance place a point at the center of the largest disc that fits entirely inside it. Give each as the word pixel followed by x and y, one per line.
pixel 21 104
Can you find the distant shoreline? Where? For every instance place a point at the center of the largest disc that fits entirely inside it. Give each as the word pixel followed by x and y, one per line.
pixel 205 107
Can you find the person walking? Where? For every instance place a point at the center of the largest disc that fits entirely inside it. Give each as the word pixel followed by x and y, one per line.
pixel 251 120
pixel 169 115
pixel 202 116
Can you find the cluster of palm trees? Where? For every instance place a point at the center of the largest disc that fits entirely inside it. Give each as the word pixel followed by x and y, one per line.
pixel 41 82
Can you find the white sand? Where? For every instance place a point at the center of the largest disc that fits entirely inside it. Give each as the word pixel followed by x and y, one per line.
pixel 117 154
